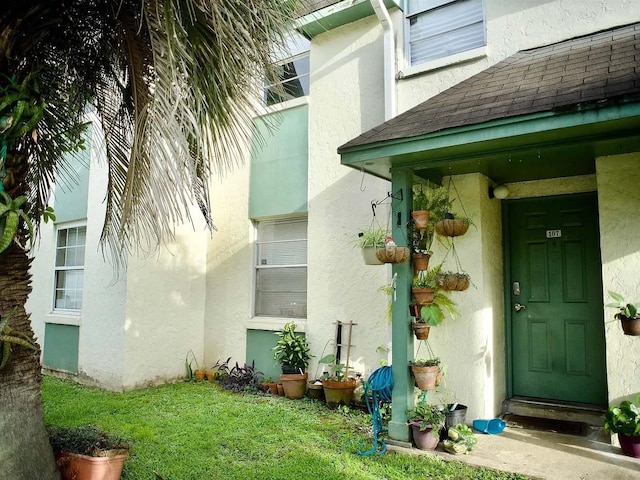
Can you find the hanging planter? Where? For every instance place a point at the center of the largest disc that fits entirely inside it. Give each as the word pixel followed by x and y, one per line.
pixel 421 330
pixel 451 281
pixel 452 227
pixel 420 218
pixel 420 262
pixel 423 296
pixel 426 377
pixel 369 256
pixel 393 254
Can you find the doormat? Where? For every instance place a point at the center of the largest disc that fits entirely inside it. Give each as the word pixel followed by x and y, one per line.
pixel 546 425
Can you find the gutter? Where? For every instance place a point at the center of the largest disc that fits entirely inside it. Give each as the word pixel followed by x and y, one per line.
pixel 390 109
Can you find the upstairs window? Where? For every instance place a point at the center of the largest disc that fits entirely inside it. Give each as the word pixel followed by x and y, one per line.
pixel 281 268
pixel 294 81
pixel 440 28
pixel 69 268
pixel 292 64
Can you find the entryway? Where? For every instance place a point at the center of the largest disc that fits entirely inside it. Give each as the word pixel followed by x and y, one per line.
pixel 554 314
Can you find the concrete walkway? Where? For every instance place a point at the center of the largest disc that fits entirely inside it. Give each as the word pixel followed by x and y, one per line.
pixel 546 455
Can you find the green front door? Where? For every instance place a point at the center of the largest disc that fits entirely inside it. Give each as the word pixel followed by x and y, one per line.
pixel 554 302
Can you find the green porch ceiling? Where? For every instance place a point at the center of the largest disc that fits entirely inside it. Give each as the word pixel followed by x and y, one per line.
pixel 537 146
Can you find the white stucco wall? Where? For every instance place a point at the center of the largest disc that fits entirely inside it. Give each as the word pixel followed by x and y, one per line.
pixel 618 196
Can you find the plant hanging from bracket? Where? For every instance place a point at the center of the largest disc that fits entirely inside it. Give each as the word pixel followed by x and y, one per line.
pixel 10 336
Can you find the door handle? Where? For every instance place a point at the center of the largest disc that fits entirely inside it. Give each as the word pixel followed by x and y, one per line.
pixel 519 307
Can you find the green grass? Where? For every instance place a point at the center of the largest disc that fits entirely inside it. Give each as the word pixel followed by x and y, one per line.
pixel 198 431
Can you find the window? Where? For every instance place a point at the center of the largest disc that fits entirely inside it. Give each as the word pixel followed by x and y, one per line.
pixel 439 28
pixel 294 80
pixel 281 268
pixel 69 268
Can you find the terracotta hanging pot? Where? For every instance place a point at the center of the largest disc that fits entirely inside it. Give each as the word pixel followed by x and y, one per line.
pixel 423 296
pixel 421 330
pixel 420 218
pixel 420 262
pixel 425 377
pixel 452 227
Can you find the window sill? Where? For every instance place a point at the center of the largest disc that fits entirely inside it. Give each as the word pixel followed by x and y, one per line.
pixel 275 323
pixel 280 107
pixel 60 318
pixel 444 62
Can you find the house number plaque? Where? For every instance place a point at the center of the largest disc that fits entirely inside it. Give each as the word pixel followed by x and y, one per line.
pixel 554 233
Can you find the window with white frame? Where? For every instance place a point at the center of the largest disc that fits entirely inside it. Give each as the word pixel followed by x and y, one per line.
pixel 440 28
pixel 281 268
pixel 69 268
pixel 292 64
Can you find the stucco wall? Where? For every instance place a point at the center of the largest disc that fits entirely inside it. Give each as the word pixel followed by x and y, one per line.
pixel 164 313
pixel 347 99
pixel 618 196
pixel 472 345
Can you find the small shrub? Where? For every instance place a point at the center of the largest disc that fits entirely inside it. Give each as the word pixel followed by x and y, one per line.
pixel 85 440
pixel 237 378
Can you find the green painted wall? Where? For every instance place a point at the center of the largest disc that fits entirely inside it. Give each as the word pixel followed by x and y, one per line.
pixel 71 193
pixel 279 164
pixel 259 348
pixel 61 347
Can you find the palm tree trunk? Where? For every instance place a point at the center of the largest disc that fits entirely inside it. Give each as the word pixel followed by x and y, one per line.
pixel 25 452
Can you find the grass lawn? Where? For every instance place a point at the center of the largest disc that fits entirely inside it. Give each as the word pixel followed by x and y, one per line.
pixel 199 431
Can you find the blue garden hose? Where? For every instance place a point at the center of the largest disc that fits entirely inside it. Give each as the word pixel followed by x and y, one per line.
pixel 378 388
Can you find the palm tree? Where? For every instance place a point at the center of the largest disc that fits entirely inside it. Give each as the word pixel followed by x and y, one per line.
pixel 173 83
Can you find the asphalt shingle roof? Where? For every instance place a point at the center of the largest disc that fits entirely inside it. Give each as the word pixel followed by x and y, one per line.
pixel 592 68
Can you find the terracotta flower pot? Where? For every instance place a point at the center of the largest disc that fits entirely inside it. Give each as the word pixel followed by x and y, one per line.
pixel 280 389
pixel 294 384
pixel 200 374
pixel 423 296
pixel 82 467
pixel 630 326
pixel 420 218
pixel 425 377
pixel 420 262
pixel 273 388
pixel 421 330
pixel 338 393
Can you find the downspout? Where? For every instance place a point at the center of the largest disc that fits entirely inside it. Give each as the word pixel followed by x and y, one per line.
pixel 389 59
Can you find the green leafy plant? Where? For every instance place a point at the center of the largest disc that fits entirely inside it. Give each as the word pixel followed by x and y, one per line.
pixel 189 360
pixel 429 416
pixel 434 199
pixel 10 214
pixel 10 336
pixel 337 370
pixel 85 440
pixel 434 313
pixel 427 362
pixel 291 348
pixel 427 278
pixel 461 439
pixel 624 418
pixel 628 310
pixel 372 237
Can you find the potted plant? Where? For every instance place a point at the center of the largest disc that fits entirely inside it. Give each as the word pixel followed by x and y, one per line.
pixel 627 314
pixel 87 453
pixel 292 353
pixel 433 314
pixel 453 281
pixel 197 373
pixel 368 241
pixel 452 225
pixel 337 385
pixel 430 204
pixel 426 372
pixel 425 421
pixel 424 286
pixel 624 420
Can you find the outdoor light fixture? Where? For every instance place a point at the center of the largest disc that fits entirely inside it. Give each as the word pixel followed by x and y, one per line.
pixel 499 191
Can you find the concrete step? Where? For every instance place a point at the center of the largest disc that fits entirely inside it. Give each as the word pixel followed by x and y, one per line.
pixel 583 413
